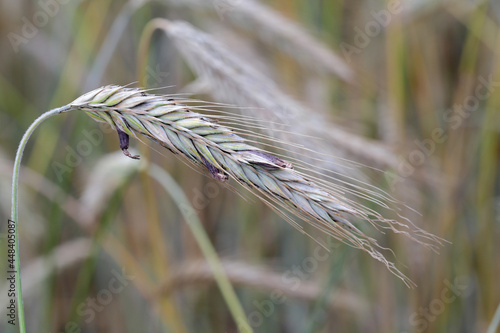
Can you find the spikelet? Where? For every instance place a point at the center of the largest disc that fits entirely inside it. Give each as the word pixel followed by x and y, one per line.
pixel 200 140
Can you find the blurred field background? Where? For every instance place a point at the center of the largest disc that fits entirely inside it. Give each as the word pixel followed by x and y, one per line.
pixel 104 248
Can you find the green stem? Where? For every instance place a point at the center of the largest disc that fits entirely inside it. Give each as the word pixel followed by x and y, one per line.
pixel 194 223
pixel 15 183
pixel 495 321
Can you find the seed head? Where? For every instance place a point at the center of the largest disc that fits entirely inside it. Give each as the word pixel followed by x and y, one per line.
pixel 204 142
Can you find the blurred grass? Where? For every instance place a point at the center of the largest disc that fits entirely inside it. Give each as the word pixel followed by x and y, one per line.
pixel 409 76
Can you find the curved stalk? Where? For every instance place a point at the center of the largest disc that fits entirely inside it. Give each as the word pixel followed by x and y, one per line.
pixel 194 223
pixel 15 181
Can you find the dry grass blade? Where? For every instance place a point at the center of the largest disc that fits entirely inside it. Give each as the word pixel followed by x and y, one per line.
pixel 257 277
pixel 290 37
pixel 277 30
pixel 224 154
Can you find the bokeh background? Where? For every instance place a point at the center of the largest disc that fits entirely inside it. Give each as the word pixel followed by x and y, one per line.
pixel 104 248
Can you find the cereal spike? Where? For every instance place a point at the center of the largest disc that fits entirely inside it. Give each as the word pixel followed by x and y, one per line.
pixel 225 154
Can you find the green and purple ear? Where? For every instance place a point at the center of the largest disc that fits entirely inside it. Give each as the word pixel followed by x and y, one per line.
pixel 222 152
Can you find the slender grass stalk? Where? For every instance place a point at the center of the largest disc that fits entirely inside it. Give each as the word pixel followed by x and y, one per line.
pixel 14 215
pixel 495 322
pixel 110 43
pixel 194 223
